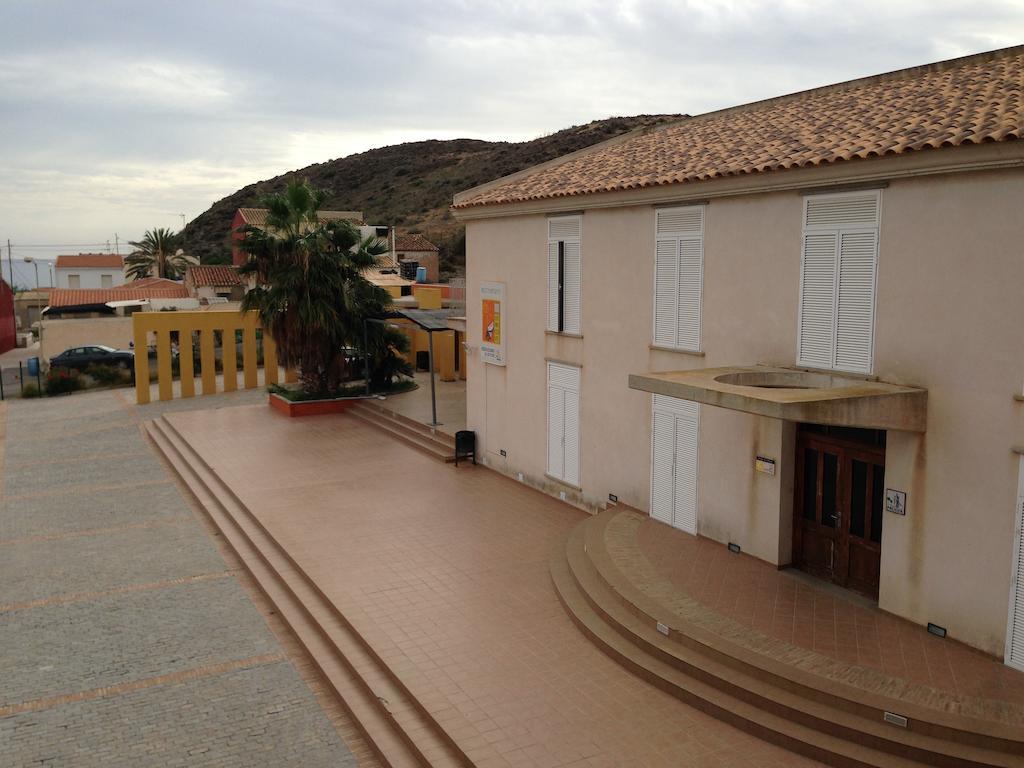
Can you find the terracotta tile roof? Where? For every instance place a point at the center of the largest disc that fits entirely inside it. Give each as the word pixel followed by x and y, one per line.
pixel 411 242
pixel 257 217
pixel 73 297
pixel 90 261
pixel 972 100
pixel 214 275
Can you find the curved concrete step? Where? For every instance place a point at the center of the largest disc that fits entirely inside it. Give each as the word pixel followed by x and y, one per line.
pixel 950 726
pixel 755 690
pixel 417 438
pixel 394 724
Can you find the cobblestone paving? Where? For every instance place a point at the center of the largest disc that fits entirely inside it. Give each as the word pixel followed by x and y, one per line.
pixel 124 639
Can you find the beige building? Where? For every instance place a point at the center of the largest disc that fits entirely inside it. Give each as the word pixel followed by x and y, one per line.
pixel 416 248
pixel 214 281
pixel 792 326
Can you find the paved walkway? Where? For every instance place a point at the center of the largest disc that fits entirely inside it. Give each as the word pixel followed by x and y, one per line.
pixel 126 637
pixel 446 572
pixel 415 405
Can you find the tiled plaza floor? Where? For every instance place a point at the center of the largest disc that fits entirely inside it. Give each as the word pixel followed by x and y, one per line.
pixel 126 638
pixel 445 571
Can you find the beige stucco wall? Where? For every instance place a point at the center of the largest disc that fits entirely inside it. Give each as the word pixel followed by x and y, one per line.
pixel 59 335
pixel 949 314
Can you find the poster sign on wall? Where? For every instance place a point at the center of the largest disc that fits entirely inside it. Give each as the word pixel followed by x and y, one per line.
pixel 492 338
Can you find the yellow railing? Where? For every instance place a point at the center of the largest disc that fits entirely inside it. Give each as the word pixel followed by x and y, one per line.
pixel 156 328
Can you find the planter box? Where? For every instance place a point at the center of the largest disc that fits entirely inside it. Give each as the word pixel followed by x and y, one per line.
pixel 311 407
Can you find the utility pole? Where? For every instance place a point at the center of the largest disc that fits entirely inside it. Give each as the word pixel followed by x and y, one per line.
pixel 117 244
pixel 10 262
pixel 182 220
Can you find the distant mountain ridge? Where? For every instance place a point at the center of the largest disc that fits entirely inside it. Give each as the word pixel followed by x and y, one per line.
pixel 409 185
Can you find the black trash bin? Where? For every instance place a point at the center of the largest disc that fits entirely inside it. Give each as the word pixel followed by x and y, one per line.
pixel 465 445
pixel 423 361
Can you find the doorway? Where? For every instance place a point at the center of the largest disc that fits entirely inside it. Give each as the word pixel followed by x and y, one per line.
pixel 838 502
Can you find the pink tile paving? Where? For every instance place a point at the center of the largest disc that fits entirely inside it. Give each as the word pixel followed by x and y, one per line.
pixel 445 572
pixel 793 609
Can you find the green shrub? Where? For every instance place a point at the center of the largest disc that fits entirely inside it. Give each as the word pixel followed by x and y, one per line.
pixel 60 381
pixel 30 390
pixel 107 375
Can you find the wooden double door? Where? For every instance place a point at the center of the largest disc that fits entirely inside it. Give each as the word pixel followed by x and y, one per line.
pixel 837 520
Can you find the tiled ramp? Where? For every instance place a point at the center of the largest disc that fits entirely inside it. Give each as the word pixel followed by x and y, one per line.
pixel 423 592
pixel 805 700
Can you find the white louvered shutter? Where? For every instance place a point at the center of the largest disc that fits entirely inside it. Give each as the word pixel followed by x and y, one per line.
pixel 858 257
pixel 556 430
pixel 663 428
pixel 1015 628
pixel 564 422
pixel 674 445
pixel 572 284
pixel 552 285
pixel 691 269
pixel 685 516
pixel 817 300
pixel 666 293
pixel 839 267
pixel 566 230
pixel 678 276
pixel 571 440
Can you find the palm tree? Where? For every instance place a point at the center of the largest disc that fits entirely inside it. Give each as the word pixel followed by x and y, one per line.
pixel 158 254
pixel 311 292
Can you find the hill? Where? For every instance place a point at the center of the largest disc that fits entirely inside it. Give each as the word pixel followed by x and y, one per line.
pixel 409 185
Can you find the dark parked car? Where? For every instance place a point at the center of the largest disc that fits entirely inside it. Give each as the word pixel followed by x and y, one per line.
pixel 81 358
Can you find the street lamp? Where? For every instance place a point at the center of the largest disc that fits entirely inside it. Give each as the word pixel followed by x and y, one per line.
pixel 34 263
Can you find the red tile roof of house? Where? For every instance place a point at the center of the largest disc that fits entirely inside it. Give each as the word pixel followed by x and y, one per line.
pixel 73 297
pixel 412 242
pixel 90 261
pixel 214 275
pixel 257 217
pixel 972 100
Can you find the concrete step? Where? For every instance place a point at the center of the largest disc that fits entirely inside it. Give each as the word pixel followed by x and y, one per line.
pixel 392 721
pixel 710 699
pixel 380 408
pixel 702 660
pixel 430 445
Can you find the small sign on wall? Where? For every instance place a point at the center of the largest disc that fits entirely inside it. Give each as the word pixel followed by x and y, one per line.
pixel 492 336
pixel 895 501
pixel 764 465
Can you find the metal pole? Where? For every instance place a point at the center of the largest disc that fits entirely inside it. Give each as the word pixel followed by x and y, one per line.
pixel 39 377
pixel 1 383
pixel 433 398
pixel 366 355
pixel 10 262
pixel 21 377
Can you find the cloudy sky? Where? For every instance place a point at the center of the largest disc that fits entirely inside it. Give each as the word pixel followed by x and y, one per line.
pixel 116 117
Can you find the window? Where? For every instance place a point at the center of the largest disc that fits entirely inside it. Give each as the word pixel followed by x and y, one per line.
pixel 106 281
pixel 564 422
pixel 678 276
pixel 564 273
pixel 674 441
pixel 74 281
pixel 838 266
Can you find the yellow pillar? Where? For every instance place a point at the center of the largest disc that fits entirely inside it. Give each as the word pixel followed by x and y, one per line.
pixel 141 361
pixel 208 360
pixel 444 348
pixel 249 353
pixel 187 374
pixel 229 353
pixel 291 375
pixel 164 375
pixel 269 359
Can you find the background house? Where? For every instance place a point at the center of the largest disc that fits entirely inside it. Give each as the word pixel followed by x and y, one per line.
pixel 257 217
pixel 209 281
pixel 416 248
pixel 90 270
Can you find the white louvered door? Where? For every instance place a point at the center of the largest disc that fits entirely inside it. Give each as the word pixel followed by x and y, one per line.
pixel 564 422
pixel 838 275
pixel 678 276
pixel 674 442
pixel 1014 654
pixel 572 286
